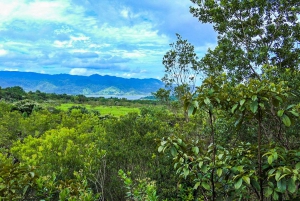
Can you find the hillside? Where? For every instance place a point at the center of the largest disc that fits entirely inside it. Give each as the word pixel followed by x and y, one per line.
pixel 74 84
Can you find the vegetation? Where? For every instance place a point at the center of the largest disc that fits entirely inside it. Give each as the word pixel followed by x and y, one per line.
pixel 234 137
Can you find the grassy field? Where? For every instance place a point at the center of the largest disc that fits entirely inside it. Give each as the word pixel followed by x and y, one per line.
pixel 111 110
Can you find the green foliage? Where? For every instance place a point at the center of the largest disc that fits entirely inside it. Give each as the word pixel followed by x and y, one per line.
pixel 61 151
pixel 234 172
pixel 16 181
pixel 141 190
pixel 250 34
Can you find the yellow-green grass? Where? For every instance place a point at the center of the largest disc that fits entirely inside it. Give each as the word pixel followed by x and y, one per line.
pixel 104 110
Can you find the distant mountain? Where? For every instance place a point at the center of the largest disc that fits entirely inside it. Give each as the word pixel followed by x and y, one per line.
pixel 74 84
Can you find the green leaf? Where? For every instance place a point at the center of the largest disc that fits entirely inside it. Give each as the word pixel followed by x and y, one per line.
pixel 173 151
pixel 286 120
pixel 254 97
pixel 291 186
pixel 195 150
pixel 238 184
pixel 275 196
pixel 294 113
pixel 279 98
pixel 270 160
pixel 277 175
pixel 160 148
pixel 186 172
pixel 242 102
pixel 246 179
pixel 234 108
pixel 281 185
pixel 290 106
pixel 196 185
pixel 254 106
pixel 207 101
pixel 205 185
pixel 204 168
pixel 298 166
pixel 280 113
pixel 219 172
pixel 268 192
pixel 271 171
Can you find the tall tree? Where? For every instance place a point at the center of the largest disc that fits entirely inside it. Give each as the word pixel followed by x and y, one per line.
pixel 182 67
pixel 251 34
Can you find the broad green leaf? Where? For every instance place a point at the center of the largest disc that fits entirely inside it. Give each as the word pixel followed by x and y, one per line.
pixel 196 185
pixel 290 106
pixel 261 105
pixel 160 148
pixel 268 192
pixel 219 172
pixel 275 195
pixel 254 97
pixel 286 120
pixel 271 171
pixel 186 172
pixel 254 106
pixel 173 151
pixel 200 164
pixel 298 166
pixel 204 168
pixel 294 113
pixel 238 184
pixel 205 185
pixel 242 101
pixel 275 155
pixel 220 156
pixel 279 98
pixel 281 185
pixel 246 179
pixel 207 101
pixel 195 150
pixel 280 113
pixel 234 108
pixel 291 186
pixel 270 160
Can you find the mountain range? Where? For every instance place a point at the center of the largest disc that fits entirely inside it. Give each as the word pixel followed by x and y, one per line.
pixel 75 84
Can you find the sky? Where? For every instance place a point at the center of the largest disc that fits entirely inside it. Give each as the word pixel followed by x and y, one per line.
pixel 124 38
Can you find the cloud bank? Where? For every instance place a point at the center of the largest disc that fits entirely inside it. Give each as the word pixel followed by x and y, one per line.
pixel 83 37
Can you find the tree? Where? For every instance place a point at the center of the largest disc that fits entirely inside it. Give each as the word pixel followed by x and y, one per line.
pixel 251 34
pixel 181 69
pixel 181 64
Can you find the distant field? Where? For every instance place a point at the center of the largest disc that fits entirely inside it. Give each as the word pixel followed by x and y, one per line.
pixel 111 110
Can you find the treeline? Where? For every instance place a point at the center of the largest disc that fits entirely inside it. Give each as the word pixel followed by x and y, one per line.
pixel 13 94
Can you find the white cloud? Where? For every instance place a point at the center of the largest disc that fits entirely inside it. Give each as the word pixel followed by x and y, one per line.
pixel 125 13
pixel 11 69
pixel 3 52
pixel 78 71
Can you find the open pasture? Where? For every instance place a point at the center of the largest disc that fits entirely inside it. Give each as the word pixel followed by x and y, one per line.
pixel 104 110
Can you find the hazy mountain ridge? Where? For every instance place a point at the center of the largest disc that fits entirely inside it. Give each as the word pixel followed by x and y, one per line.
pixel 75 84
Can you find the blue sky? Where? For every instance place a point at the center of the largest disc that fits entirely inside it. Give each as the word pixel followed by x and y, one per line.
pixel 124 38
